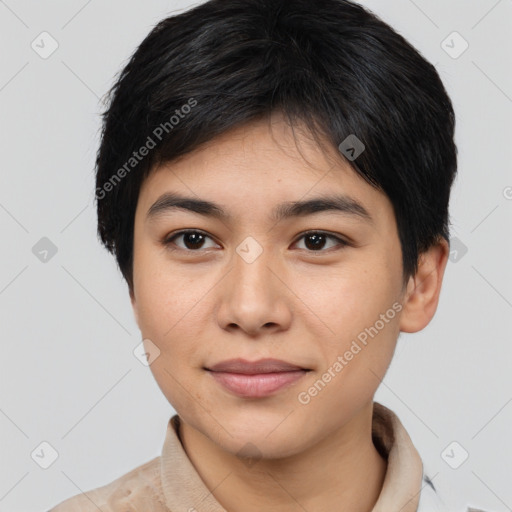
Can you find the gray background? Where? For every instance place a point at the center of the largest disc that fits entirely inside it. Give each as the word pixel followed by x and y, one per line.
pixel 68 375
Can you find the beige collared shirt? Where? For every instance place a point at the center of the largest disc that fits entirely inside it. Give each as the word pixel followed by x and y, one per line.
pixel 170 483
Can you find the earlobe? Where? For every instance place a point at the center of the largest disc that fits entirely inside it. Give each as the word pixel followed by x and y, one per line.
pixel 423 289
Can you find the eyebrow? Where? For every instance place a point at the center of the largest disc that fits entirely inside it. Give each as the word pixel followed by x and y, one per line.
pixel 342 204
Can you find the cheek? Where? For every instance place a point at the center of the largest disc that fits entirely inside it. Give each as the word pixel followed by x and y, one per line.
pixel 165 298
pixel 169 309
pixel 356 305
pixel 346 300
pixel 173 312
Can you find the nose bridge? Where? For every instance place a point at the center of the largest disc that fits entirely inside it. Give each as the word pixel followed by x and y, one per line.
pixel 253 296
pixel 252 272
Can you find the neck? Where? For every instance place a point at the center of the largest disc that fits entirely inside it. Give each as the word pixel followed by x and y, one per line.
pixel 343 471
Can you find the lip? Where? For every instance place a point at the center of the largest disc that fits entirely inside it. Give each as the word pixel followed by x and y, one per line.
pixel 256 379
pixel 254 367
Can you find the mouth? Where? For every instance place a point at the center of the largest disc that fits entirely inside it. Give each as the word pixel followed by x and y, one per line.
pixel 256 379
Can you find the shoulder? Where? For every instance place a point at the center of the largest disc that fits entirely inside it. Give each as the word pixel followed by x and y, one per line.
pixel 139 489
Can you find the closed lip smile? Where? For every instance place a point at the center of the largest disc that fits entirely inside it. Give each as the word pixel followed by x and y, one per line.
pixel 255 379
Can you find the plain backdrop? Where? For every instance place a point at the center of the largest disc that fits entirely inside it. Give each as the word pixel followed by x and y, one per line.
pixel 68 375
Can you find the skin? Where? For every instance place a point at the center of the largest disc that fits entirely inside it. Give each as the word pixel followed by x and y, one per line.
pixel 204 304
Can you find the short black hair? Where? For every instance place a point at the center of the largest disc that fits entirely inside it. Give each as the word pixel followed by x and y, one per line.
pixel 329 64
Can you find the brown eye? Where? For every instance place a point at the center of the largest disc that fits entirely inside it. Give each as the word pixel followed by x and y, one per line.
pixel 315 241
pixel 192 240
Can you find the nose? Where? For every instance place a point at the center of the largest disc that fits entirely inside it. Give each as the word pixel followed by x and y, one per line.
pixel 254 297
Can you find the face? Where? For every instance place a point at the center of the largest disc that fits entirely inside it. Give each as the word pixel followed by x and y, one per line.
pixel 317 287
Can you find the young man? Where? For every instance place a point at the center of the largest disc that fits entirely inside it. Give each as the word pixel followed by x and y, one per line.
pixel 274 181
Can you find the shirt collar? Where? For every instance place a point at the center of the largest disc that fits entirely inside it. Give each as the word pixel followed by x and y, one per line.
pixel 184 489
pixel 404 475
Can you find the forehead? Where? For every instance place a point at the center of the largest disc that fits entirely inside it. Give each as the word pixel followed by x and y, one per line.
pixel 261 167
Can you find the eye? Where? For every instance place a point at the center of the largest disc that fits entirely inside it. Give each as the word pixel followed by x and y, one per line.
pixel 315 241
pixel 192 239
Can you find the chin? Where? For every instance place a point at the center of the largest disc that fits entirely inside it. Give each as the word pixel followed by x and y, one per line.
pixel 255 437
pixel 255 447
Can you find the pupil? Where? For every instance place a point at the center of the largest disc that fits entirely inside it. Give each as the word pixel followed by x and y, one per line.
pixel 314 241
pixel 193 239
pixel 318 241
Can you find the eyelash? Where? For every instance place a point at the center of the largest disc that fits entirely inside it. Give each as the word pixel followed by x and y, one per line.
pixel 168 241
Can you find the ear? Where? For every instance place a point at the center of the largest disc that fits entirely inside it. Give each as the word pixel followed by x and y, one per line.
pixel 423 289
